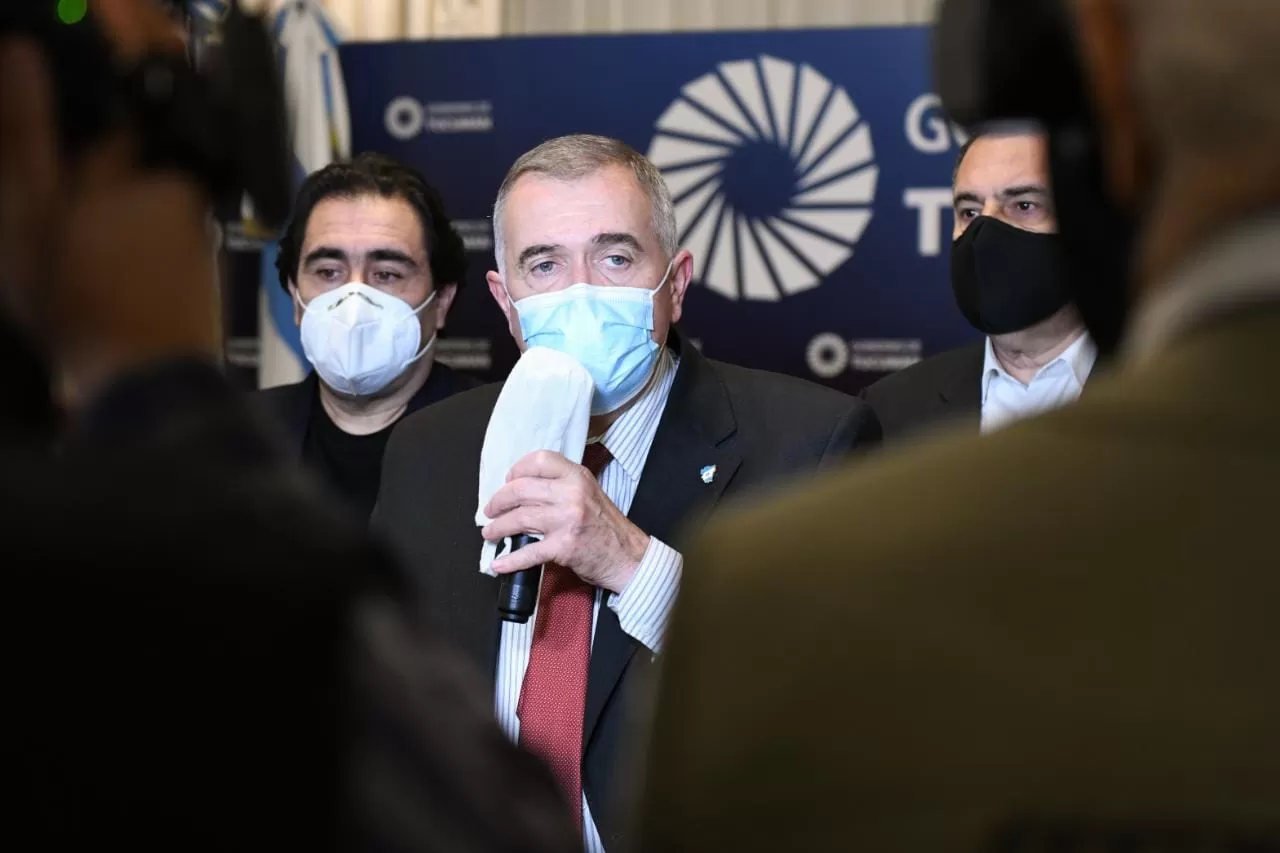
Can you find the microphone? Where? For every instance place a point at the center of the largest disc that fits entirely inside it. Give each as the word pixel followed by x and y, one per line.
pixel 518 591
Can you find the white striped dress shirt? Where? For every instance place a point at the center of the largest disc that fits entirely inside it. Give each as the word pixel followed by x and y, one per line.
pixel 644 606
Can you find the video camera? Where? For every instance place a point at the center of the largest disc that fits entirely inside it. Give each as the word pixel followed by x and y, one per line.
pixel 224 124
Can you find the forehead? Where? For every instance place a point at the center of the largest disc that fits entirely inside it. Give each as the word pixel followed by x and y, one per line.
pixel 995 162
pixel 541 209
pixel 365 221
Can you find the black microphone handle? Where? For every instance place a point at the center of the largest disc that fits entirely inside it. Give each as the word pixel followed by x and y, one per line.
pixel 518 591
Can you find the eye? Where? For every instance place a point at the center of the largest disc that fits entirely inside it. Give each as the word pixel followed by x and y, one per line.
pixel 386 277
pixel 328 274
pixel 967 213
pixel 1027 206
pixel 617 261
pixel 544 267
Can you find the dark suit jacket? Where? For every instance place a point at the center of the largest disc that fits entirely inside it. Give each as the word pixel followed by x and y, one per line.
pixel 934 394
pixel 290 406
pixel 941 390
pixel 756 428
pixel 196 657
pixel 1066 630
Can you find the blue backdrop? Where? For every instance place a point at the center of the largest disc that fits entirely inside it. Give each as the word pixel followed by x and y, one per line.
pixel 810 170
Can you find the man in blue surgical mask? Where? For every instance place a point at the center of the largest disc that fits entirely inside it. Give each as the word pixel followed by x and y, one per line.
pixel 372 264
pixel 589 264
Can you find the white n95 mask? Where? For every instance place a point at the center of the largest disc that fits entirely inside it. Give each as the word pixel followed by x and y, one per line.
pixel 360 339
pixel 607 329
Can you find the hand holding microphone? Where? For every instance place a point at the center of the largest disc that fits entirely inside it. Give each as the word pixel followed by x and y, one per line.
pixel 545 405
pixel 581 527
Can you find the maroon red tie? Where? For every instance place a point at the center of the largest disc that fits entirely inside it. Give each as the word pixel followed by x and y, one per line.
pixel 553 697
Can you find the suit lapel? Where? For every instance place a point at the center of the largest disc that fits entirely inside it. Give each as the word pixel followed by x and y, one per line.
pixel 694 433
pixel 960 390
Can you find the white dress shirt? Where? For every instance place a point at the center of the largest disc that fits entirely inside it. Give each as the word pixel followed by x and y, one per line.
pixel 644 606
pixel 1006 399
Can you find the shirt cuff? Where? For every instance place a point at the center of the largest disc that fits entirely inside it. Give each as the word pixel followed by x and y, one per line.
pixel 644 605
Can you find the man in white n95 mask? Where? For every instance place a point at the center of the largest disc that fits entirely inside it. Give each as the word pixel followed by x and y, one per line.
pixel 373 264
pixel 589 265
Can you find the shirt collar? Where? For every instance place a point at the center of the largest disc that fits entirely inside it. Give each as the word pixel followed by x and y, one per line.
pixel 1079 357
pixel 1239 268
pixel 631 435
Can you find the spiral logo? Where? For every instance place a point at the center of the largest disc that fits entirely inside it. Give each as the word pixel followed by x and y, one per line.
pixel 773 175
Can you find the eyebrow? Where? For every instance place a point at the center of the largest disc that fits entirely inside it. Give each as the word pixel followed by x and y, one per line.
pixel 324 253
pixel 605 238
pixel 1004 194
pixel 1025 189
pixel 331 253
pixel 617 238
pixel 393 256
pixel 540 249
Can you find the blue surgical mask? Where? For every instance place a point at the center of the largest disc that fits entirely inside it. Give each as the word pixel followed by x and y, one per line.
pixel 607 329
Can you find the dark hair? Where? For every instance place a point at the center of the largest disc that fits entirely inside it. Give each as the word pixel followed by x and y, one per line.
pixel 964 149
pixel 1011 127
pixel 376 174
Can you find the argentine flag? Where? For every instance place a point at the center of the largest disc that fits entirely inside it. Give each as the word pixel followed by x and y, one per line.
pixel 307 48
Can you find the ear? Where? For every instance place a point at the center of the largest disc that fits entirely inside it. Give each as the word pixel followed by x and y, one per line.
pixel 1106 47
pixel 297 304
pixel 498 290
pixel 444 301
pixel 681 276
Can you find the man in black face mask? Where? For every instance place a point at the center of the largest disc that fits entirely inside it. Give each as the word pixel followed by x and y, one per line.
pixel 1011 283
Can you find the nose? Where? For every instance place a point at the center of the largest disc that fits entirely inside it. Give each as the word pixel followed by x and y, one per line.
pixel 582 270
pixel 991 208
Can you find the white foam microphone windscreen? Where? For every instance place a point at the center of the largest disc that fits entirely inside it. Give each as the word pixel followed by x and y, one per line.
pixel 545 404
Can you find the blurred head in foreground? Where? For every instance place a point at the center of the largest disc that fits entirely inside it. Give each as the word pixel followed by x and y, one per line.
pixel 1054 637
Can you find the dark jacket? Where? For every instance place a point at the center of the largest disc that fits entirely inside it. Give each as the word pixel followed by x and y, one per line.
pixel 1060 637
pixel 757 429
pixel 197 658
pixel 290 406
pixel 940 391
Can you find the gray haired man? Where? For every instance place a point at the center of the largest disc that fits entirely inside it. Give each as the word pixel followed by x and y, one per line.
pixel 585 230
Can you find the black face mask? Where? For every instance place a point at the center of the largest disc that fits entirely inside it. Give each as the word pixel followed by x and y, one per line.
pixel 1006 279
pixel 982 49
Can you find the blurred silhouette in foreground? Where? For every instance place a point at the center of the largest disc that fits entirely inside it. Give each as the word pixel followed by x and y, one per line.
pixel 1060 636
pixel 197 653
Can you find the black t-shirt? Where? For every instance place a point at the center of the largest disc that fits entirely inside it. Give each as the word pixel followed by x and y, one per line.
pixel 350 464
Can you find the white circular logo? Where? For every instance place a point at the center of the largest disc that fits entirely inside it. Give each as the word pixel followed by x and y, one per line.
pixel 404 117
pixel 827 355
pixel 773 175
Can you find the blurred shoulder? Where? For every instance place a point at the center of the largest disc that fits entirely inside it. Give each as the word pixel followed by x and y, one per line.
pixel 462 413
pixel 929 375
pixel 912 507
pixel 769 394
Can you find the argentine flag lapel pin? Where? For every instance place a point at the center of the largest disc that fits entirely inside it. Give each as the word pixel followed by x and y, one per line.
pixel 708 473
